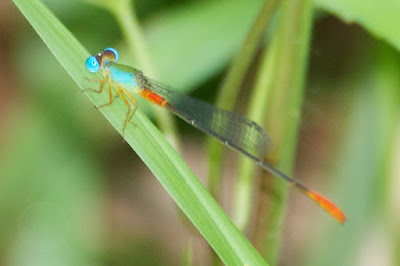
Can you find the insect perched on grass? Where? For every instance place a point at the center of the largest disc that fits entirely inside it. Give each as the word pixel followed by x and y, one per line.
pixel 233 130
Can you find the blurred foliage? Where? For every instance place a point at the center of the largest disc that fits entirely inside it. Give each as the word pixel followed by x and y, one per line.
pixel 60 204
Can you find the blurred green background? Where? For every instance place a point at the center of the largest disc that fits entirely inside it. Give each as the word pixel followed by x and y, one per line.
pixel 73 193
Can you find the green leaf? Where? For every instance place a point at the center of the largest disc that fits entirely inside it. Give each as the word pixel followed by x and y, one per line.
pixel 363 168
pixel 216 30
pixel 381 18
pixel 169 168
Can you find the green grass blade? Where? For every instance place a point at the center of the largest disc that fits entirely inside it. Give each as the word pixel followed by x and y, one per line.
pixel 169 168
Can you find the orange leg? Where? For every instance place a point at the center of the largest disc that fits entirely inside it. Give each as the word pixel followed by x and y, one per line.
pixel 124 93
pixel 109 94
pixel 133 100
pixel 94 80
pixel 102 81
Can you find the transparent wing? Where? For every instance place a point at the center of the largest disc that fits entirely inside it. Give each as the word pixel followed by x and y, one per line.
pixel 233 130
pixel 230 128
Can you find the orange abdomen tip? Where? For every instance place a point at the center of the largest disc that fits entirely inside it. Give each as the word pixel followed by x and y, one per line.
pixel 327 205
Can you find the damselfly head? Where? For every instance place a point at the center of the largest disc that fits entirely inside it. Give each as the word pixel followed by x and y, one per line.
pixel 95 63
pixel 110 54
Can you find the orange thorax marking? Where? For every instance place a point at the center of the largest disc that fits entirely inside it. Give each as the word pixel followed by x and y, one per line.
pixel 153 97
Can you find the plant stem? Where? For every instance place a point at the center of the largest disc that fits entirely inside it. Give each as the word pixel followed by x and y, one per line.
pixel 233 81
pixel 287 73
pixel 125 14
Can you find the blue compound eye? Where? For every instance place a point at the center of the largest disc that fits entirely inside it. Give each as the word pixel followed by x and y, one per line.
pixel 112 50
pixel 92 64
